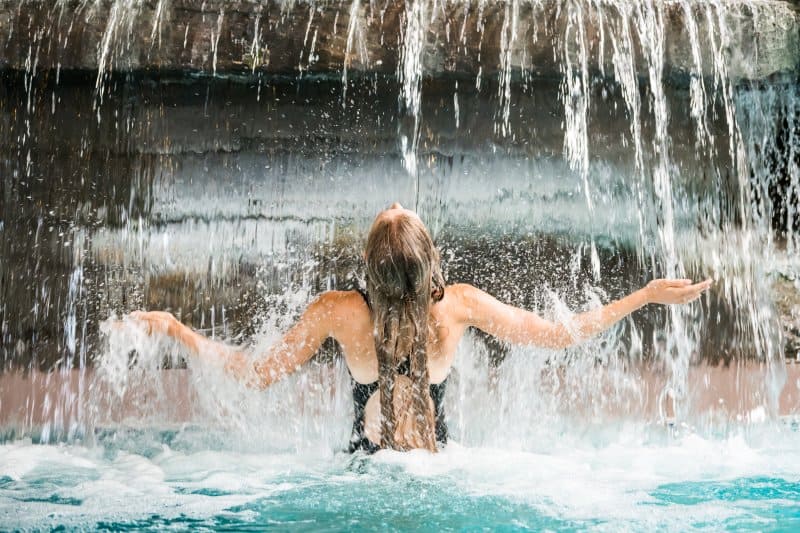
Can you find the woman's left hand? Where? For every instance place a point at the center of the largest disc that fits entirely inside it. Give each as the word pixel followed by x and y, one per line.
pixel 675 291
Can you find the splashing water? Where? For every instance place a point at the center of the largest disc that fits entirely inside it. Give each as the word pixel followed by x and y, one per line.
pixel 562 152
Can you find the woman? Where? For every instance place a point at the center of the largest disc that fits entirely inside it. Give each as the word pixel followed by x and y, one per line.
pixel 399 338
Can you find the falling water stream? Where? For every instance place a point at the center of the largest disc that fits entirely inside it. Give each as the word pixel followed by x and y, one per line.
pixel 223 161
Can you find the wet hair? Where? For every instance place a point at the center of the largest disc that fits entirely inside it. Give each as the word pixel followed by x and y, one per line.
pixel 404 278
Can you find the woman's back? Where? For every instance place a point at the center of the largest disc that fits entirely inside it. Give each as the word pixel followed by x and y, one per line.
pixel 353 330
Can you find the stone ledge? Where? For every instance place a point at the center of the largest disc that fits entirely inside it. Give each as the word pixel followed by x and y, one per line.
pixel 459 37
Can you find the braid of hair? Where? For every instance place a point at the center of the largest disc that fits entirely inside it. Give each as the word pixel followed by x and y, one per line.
pixel 404 335
pixel 386 349
pixel 422 405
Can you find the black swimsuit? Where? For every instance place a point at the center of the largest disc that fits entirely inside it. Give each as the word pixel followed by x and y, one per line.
pixel 362 392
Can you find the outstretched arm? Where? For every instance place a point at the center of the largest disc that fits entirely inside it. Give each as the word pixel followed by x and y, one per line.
pixel 516 325
pixel 296 347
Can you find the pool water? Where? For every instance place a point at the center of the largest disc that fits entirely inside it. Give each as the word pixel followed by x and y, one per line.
pixel 153 480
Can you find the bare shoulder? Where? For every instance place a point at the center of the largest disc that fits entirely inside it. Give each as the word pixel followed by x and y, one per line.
pixel 339 301
pixel 341 307
pixel 460 299
pixel 462 293
pixel 336 312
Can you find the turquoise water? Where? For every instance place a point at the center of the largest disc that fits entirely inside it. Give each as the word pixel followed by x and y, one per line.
pixel 155 480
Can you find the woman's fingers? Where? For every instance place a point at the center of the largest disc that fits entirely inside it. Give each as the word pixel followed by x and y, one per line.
pixel 692 292
pixel 676 291
pixel 150 321
pixel 690 297
pixel 142 320
pixel 684 283
pixel 674 283
pixel 698 288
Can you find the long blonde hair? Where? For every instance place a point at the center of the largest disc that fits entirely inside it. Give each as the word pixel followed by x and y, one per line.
pixel 404 278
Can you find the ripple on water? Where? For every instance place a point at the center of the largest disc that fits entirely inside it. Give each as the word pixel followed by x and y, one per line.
pixel 625 485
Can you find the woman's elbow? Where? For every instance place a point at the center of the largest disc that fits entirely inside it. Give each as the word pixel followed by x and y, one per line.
pixel 559 338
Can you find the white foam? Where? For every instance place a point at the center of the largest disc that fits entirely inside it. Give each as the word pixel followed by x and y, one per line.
pixel 611 483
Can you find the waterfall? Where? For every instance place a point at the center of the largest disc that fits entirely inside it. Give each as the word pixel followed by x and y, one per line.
pixel 223 160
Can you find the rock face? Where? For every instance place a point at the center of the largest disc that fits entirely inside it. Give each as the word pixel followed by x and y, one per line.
pixel 744 40
pixel 209 197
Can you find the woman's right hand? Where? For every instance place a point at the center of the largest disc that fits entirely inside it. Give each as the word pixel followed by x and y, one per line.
pixel 155 321
pixel 675 291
